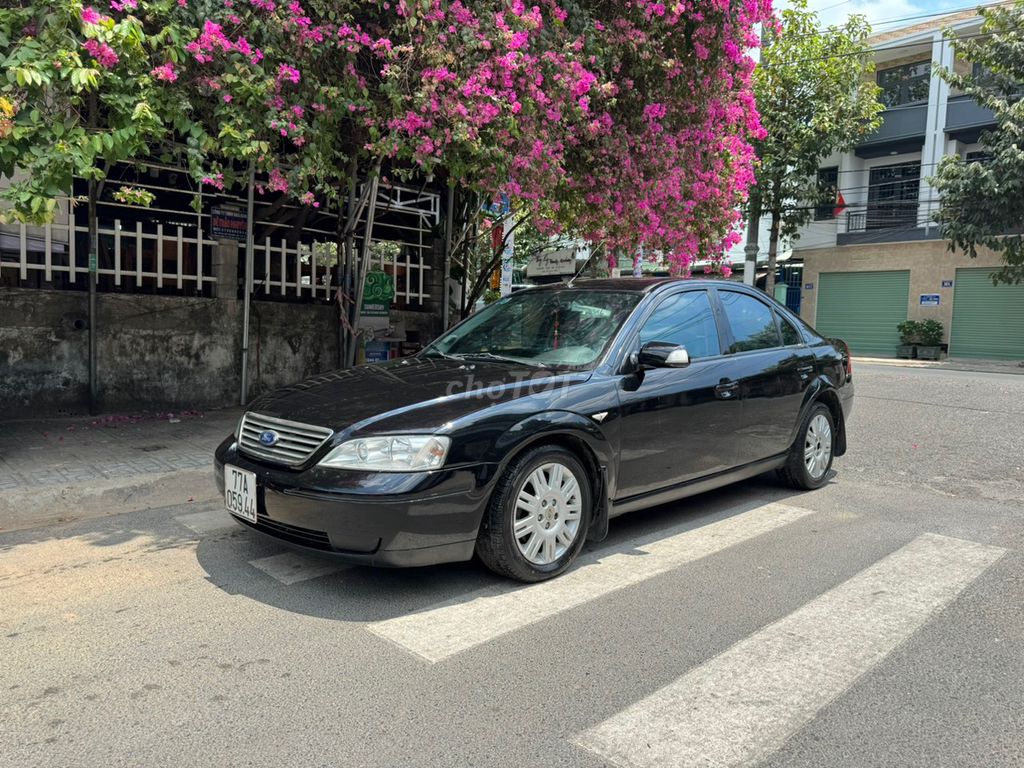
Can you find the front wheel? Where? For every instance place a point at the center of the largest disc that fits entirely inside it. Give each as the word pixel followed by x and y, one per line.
pixel 538 516
pixel 810 458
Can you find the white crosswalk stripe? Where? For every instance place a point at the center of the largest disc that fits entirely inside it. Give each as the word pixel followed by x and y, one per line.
pixel 210 521
pixel 293 567
pixel 741 706
pixel 448 628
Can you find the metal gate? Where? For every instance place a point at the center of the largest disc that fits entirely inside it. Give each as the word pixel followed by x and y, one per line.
pixel 863 309
pixel 988 320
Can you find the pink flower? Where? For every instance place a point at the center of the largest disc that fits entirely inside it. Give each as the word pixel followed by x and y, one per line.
pixel 216 181
pixel 227 98
pixel 130 5
pixel 164 72
pixel 102 52
pixel 90 16
pixel 286 72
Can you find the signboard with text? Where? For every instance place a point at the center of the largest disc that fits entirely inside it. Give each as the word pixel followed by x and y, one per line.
pixel 377 295
pixel 227 223
pixel 552 263
pixel 930 299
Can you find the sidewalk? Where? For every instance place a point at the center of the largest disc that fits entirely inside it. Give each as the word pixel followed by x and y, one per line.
pixel 62 469
pixel 979 366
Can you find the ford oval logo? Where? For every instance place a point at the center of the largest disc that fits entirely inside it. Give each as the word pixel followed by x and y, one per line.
pixel 269 437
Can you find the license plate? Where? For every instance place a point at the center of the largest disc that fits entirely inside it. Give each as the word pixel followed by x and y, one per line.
pixel 240 492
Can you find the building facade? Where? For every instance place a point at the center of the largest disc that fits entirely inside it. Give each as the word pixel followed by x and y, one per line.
pixel 876 258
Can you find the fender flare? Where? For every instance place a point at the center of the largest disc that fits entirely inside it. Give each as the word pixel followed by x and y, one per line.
pixel 824 391
pixel 577 433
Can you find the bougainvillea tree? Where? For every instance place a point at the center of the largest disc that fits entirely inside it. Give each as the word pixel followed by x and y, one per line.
pixel 627 124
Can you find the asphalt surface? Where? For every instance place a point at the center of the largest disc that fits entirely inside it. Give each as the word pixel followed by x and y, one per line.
pixel 825 629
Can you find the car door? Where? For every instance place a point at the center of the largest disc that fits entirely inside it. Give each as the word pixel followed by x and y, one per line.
pixel 675 424
pixel 770 367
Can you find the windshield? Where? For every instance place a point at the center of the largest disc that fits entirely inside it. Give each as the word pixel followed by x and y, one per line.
pixel 556 328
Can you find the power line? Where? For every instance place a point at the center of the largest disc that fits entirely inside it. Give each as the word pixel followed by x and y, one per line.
pixel 869 52
pixel 901 19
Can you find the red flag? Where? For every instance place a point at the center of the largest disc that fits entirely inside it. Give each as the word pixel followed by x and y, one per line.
pixel 840 204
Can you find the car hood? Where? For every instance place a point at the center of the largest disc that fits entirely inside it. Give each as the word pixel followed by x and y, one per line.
pixel 414 393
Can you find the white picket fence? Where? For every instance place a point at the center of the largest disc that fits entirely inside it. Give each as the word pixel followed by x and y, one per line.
pixel 138 256
pixel 305 270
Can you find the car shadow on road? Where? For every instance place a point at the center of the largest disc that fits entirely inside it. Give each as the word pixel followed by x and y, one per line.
pixel 362 594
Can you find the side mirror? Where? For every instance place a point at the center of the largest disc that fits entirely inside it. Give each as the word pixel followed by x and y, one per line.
pixel 662 354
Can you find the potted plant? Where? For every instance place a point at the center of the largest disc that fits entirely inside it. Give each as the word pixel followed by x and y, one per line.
pixel 929 339
pixel 909 331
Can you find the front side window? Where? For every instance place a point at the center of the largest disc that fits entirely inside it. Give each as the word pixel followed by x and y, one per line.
pixel 905 84
pixel 751 321
pixel 685 320
pixel 564 328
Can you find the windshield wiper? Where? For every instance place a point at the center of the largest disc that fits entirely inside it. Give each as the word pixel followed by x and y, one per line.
pixel 502 358
pixel 435 352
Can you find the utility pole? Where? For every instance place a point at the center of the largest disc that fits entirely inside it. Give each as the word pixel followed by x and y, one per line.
pixel 250 244
pixel 754 203
pixel 751 248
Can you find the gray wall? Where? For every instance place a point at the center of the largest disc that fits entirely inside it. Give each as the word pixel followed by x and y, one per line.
pixel 158 352
pixel 154 351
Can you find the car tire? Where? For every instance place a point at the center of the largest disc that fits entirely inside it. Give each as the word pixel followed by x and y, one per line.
pixel 810 457
pixel 541 505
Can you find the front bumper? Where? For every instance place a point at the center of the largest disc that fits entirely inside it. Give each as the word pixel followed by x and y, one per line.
pixel 385 519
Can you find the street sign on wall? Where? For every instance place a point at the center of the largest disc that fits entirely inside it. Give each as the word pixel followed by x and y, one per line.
pixel 227 224
pixel 377 294
pixel 930 299
pixel 552 263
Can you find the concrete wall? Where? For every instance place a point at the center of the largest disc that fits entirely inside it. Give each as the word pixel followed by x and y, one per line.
pixel 929 262
pixel 160 352
pixel 154 352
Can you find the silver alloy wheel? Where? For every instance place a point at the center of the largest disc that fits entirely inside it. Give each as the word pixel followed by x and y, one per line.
pixel 546 520
pixel 817 446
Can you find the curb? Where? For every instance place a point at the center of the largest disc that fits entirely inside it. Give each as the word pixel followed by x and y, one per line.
pixel 49 505
pixel 980 366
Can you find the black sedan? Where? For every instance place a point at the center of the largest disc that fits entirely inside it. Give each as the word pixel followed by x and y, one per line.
pixel 519 433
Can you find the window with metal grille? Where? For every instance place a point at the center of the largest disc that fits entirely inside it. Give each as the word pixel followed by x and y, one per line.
pixel 905 84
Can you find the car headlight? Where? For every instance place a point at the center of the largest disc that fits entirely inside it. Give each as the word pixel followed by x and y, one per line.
pixel 391 453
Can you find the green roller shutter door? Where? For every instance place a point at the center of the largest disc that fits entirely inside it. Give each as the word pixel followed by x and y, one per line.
pixel 863 309
pixel 988 320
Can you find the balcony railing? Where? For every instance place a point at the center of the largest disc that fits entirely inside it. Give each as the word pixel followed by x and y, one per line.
pixel 885 215
pixel 889 221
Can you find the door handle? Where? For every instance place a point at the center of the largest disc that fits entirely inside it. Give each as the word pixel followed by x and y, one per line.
pixel 805 371
pixel 726 389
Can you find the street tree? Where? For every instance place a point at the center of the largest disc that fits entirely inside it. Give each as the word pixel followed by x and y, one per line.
pixel 982 202
pixel 816 97
pixel 628 125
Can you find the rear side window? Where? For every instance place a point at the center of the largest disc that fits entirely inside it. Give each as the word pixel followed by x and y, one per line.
pixel 752 323
pixel 686 320
pixel 790 335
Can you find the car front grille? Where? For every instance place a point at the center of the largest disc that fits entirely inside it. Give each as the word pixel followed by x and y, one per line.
pixel 305 537
pixel 295 442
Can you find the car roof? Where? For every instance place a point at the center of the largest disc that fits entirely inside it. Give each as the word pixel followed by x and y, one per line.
pixel 631 284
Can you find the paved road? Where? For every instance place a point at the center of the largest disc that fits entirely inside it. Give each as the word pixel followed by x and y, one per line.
pixel 876 622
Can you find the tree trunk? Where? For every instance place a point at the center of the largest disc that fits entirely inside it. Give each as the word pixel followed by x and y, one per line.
pixel 344 245
pixel 363 267
pixel 94 257
pixel 773 252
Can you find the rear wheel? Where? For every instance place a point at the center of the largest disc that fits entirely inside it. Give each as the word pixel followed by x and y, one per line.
pixel 810 457
pixel 537 518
